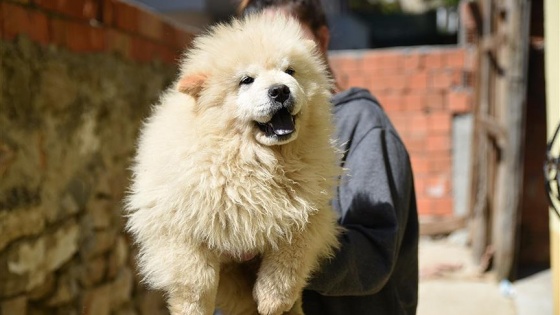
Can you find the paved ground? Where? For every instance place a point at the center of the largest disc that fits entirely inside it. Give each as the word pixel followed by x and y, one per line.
pixel 533 295
pixel 450 283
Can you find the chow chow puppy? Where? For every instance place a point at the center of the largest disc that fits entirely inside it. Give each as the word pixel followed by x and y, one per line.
pixel 229 203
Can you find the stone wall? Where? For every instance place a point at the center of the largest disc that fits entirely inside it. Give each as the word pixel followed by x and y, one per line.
pixel 76 80
pixel 68 125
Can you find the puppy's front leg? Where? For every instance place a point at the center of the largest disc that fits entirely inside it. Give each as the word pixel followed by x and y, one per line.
pixel 280 279
pixel 194 291
pixel 284 272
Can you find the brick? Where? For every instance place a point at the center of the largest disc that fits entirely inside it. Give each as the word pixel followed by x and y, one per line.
pixel 373 60
pixel 455 58
pixel 418 124
pixel 439 80
pixel 125 17
pixel 375 90
pixel 445 79
pixel 416 145
pixel 439 123
pixel 161 52
pixel 383 61
pixel 85 38
pixel 418 81
pixel 150 25
pixel 418 184
pixel 458 77
pixel 170 56
pixel 400 121
pixel 347 62
pixel 2 19
pixel 395 82
pixel 390 101
pixel 442 206
pixel 95 39
pixel 420 166
pixel 460 101
pixel 434 60
pixel 439 162
pixel 390 82
pixel 413 62
pixel 439 143
pixel 357 80
pixel 341 80
pixel 340 75
pixel 184 39
pixel 80 9
pixel 424 206
pixel 78 37
pixel 108 12
pixel 435 100
pixel 414 102
pixel 58 32
pixel 17 20
pixel 378 83
pixel 144 50
pixel 168 32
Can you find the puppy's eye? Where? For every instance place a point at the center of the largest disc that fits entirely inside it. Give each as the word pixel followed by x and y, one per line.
pixel 290 71
pixel 246 80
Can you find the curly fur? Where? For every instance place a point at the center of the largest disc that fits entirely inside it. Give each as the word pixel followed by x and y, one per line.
pixel 210 190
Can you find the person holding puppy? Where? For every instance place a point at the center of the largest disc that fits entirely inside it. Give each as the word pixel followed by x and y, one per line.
pixel 375 271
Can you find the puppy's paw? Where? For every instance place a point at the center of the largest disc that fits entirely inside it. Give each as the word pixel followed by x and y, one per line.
pixel 270 301
pixel 273 306
pixel 296 309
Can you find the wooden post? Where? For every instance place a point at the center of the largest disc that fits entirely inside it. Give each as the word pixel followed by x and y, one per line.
pixel 480 181
pixel 552 68
pixel 515 14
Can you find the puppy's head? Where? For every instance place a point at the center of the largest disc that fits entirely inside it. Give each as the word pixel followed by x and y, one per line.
pixel 258 77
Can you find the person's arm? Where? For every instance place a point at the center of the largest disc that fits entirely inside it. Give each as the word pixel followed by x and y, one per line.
pixel 374 198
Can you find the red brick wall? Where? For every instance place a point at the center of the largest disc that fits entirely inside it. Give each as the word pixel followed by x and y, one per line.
pixel 94 26
pixel 421 89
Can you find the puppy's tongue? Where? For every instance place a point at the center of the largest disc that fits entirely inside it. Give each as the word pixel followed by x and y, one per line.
pixel 282 123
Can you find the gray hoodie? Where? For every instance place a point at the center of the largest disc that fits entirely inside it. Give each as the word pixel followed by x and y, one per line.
pixel 376 269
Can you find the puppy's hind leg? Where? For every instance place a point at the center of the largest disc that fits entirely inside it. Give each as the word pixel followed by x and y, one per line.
pixel 235 290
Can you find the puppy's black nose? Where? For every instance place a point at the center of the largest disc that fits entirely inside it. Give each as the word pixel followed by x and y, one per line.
pixel 279 92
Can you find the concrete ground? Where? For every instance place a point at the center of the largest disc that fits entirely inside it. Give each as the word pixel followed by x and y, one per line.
pixel 450 283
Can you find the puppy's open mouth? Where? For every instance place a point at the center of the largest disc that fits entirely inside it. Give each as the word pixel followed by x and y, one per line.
pixel 281 125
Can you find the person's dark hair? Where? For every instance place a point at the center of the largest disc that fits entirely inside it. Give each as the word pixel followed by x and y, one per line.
pixel 309 12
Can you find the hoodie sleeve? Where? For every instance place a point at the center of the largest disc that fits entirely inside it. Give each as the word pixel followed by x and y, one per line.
pixel 374 198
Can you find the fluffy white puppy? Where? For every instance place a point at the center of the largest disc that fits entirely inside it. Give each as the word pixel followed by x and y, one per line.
pixel 234 172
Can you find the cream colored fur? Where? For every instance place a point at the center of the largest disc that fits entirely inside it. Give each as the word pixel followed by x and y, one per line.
pixel 211 190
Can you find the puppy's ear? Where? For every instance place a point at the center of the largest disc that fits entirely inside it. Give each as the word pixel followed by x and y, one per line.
pixel 191 84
